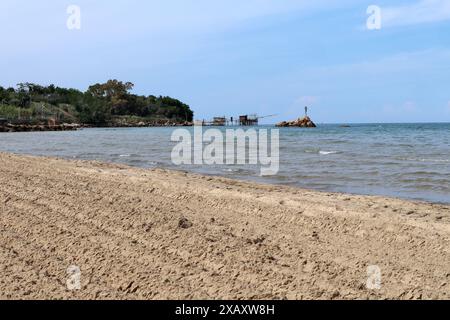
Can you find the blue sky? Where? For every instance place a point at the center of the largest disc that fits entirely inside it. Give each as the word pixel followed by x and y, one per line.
pixel 243 56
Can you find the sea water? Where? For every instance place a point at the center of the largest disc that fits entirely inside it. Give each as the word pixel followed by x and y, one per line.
pixel 402 160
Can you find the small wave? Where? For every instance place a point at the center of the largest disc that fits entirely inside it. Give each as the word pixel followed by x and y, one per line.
pixel 318 151
pixel 327 152
pixel 239 170
pixel 124 155
pixel 424 160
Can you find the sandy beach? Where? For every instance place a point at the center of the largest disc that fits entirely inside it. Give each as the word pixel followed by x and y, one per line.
pixel 159 234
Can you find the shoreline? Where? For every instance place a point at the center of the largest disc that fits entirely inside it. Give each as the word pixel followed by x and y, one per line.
pixel 162 234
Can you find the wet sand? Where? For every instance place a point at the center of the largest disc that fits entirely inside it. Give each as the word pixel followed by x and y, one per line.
pixel 159 234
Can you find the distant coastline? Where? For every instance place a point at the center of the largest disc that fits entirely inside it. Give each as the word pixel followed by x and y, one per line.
pixel 32 107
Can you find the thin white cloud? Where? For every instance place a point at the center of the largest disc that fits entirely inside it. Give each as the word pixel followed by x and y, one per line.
pixel 183 17
pixel 395 88
pixel 103 22
pixel 423 11
pixel 152 16
pixel 386 68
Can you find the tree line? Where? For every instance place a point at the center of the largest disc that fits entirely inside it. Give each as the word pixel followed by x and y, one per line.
pixel 100 103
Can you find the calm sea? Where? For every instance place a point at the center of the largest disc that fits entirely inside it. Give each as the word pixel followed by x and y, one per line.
pixel 402 160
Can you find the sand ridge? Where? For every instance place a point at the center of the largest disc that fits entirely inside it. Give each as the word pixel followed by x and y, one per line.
pixel 160 234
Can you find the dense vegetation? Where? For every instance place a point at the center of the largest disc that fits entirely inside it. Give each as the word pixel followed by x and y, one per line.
pixel 100 104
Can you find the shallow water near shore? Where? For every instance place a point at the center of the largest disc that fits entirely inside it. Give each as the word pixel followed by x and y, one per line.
pixel 409 161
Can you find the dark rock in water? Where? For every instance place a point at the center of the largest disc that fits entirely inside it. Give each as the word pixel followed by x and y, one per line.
pixel 305 122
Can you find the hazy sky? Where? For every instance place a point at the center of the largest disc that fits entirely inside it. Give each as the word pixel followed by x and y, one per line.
pixel 231 57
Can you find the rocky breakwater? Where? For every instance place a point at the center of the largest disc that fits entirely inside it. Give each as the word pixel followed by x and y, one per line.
pixel 304 122
pixel 8 127
pixel 155 123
